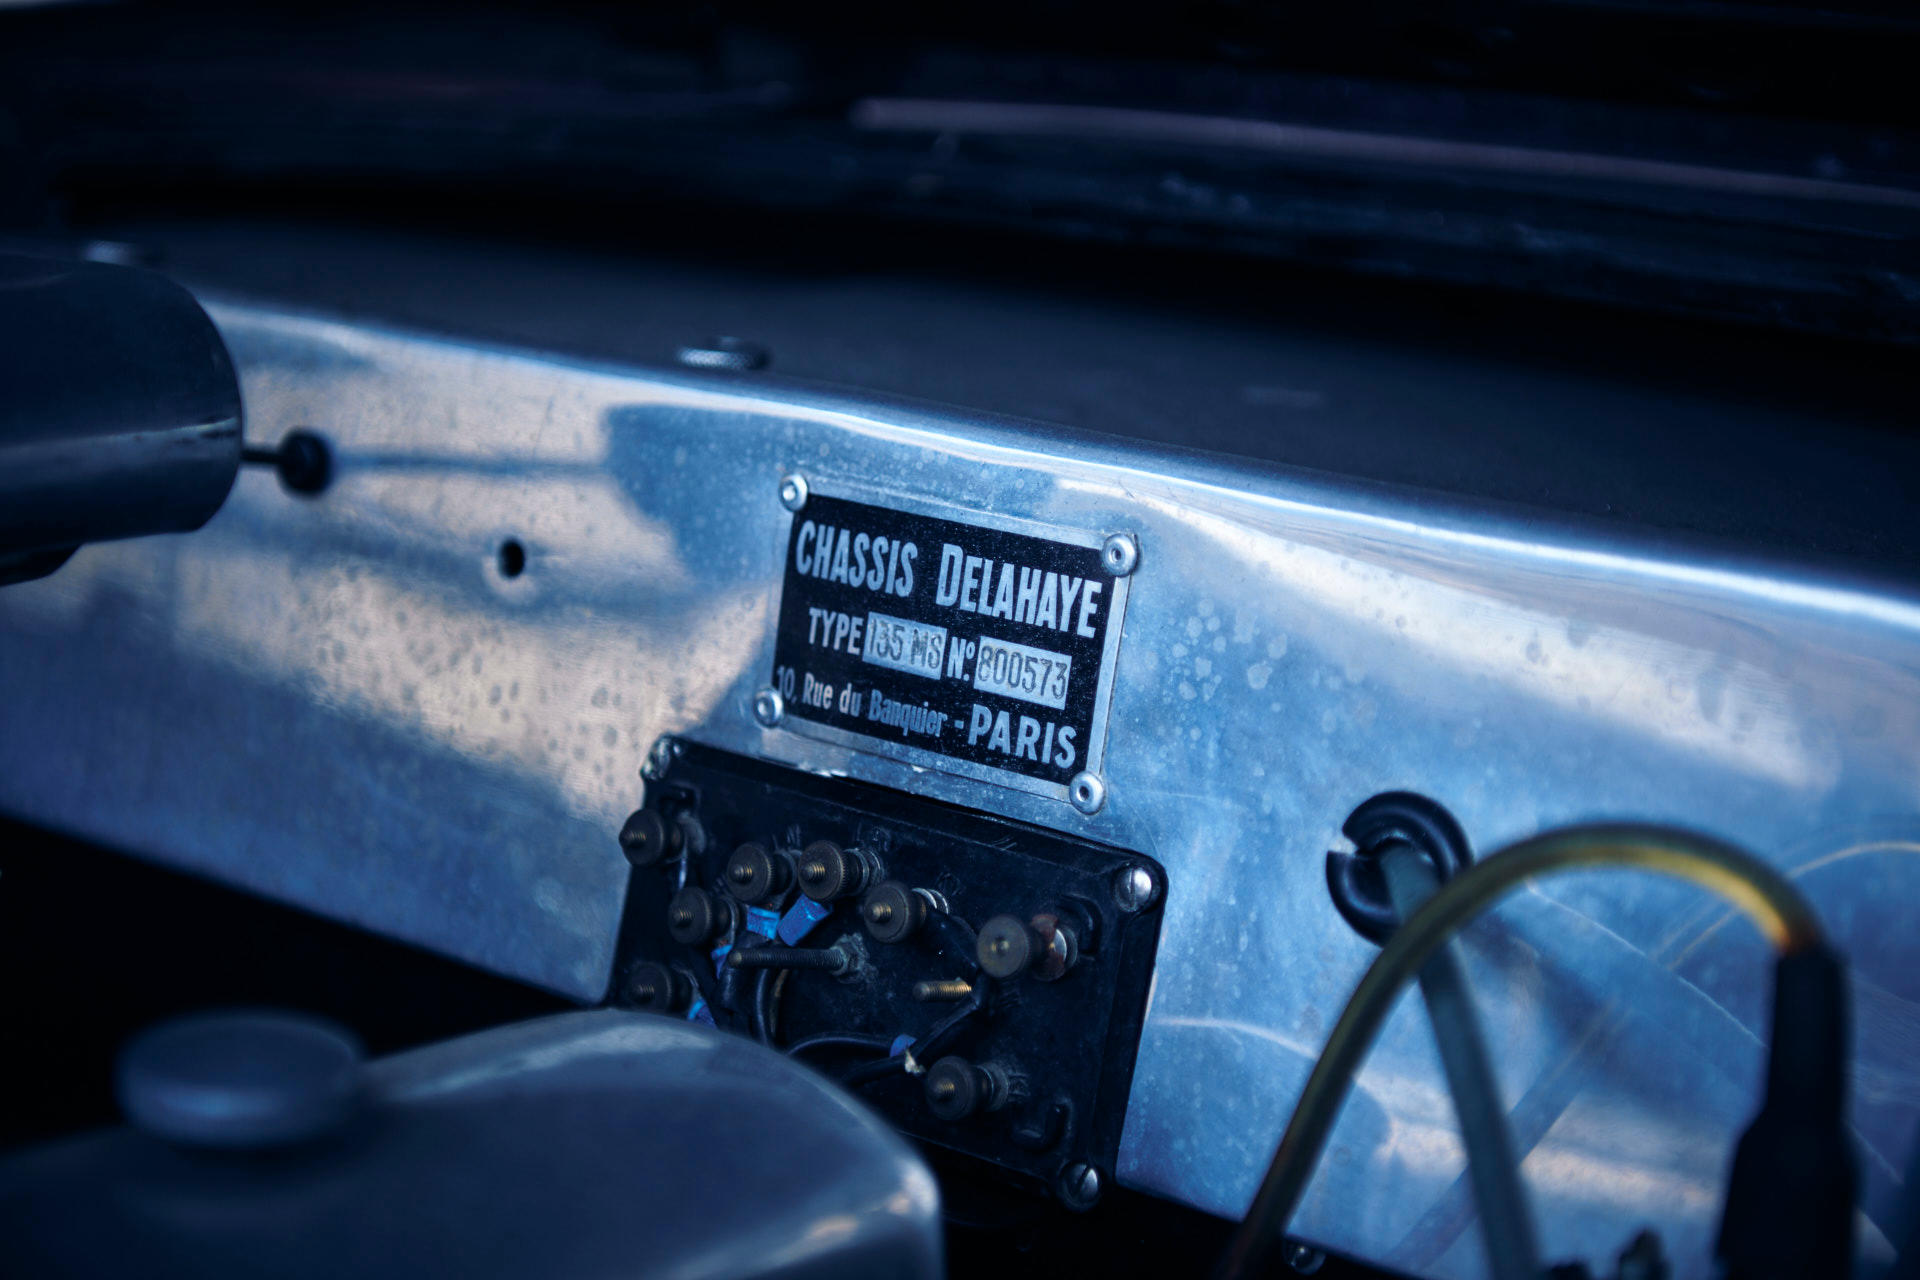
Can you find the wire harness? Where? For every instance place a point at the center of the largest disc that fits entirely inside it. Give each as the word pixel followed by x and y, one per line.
pixel 1761 892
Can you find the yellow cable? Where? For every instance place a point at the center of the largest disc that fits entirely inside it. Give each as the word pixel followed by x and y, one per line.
pixel 1766 896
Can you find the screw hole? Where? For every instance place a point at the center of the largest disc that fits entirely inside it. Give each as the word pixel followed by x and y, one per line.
pixel 513 558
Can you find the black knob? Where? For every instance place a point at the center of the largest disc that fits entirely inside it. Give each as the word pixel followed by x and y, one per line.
pixel 892 912
pixel 755 875
pixel 1010 946
pixel 827 871
pixel 647 838
pixel 658 989
pixel 695 916
pixel 956 1089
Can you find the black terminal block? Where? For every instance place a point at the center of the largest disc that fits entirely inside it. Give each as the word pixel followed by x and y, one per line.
pixel 981 982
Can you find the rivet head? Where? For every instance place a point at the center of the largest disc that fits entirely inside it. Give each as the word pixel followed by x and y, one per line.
pixel 1120 555
pixel 769 708
pixel 1087 792
pixel 793 492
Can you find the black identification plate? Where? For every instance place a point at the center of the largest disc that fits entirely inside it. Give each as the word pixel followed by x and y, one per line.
pixel 981 650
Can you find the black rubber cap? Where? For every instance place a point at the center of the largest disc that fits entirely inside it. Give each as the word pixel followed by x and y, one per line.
pixel 646 838
pixel 247 1080
pixel 306 463
pixel 892 912
pixel 755 875
pixel 827 871
pixel 695 916
pixel 658 989
pixel 953 1089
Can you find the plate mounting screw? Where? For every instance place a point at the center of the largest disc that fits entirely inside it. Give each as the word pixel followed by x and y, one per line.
pixel 1120 554
pixel 793 491
pixel 666 749
pixel 1135 889
pixel 1079 1186
pixel 1088 792
pixel 769 708
pixel 1305 1259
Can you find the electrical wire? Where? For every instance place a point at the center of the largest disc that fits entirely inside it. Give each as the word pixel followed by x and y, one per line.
pixel 927 1046
pixel 760 1011
pixel 1506 1219
pixel 1773 903
pixel 871 1045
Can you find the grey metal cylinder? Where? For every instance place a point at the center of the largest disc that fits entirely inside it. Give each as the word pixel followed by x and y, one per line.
pixel 120 413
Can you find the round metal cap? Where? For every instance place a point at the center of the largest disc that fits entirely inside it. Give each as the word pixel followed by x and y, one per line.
pixel 891 911
pixel 646 838
pixel 240 1081
pixel 953 1089
pixel 755 875
pixel 1005 947
pixel 694 916
pixel 1059 949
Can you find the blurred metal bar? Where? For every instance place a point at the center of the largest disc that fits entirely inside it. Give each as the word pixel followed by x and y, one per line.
pixel 120 411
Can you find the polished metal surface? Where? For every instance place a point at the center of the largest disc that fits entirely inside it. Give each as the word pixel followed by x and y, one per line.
pixel 119 409
pixel 580 1145
pixel 345 704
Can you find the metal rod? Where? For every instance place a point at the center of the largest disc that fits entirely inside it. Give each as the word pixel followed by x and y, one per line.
pixel 830 959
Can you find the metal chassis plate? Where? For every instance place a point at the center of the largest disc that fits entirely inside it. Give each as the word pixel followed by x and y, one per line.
pixel 830 486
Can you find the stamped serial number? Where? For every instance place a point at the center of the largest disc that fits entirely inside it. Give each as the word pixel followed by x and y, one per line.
pixel 1020 671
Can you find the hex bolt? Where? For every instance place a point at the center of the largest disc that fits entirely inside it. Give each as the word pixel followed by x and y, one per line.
pixel 827 871
pixel 1135 888
pixel 755 875
pixel 892 912
pixel 1078 1186
pixel 769 708
pixel 695 916
pixel 793 491
pixel 647 840
pixel 942 989
pixel 1087 792
pixel 658 989
pixel 1120 555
